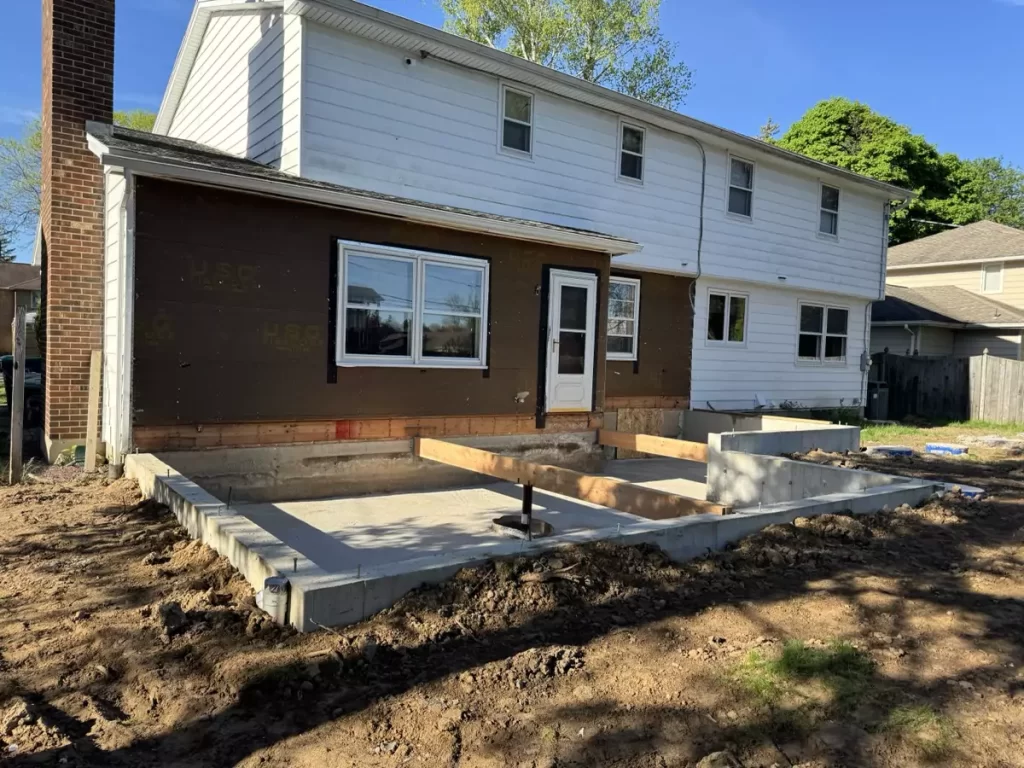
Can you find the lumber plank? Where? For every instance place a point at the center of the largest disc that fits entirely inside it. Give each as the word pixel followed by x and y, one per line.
pixel 658 446
pixel 93 414
pixel 604 491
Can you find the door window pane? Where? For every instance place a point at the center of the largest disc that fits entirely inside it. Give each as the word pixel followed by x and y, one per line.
pixel 737 317
pixel 450 336
pixel 573 308
pixel 377 332
pixel 571 351
pixel 376 282
pixel 716 317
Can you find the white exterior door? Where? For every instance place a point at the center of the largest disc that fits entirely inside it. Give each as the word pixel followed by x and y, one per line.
pixel 571 336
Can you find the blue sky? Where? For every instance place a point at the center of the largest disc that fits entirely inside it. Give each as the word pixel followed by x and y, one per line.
pixel 950 69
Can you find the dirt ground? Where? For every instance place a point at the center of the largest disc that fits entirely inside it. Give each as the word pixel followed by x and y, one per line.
pixel 891 640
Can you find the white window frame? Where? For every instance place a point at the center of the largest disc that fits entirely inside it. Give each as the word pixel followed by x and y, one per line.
pixel 623 125
pixel 822 209
pixel 824 334
pixel 1002 271
pixel 729 185
pixel 512 151
pixel 729 295
pixel 635 282
pixel 420 260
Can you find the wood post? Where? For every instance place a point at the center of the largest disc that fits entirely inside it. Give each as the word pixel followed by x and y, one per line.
pixel 93 418
pixel 16 397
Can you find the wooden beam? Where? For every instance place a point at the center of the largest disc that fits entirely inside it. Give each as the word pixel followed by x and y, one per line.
pixel 93 415
pixel 604 491
pixel 658 446
pixel 16 397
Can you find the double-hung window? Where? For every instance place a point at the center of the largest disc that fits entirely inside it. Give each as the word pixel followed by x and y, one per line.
pixel 623 318
pixel 516 120
pixel 828 223
pixel 727 318
pixel 823 334
pixel 404 307
pixel 741 187
pixel 631 152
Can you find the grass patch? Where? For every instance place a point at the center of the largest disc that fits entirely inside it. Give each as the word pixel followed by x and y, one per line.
pixel 881 433
pixel 842 670
pixel 925 728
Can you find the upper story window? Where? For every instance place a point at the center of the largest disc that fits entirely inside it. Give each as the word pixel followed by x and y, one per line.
pixel 829 221
pixel 402 307
pixel 623 318
pixel 992 278
pixel 631 152
pixel 516 120
pixel 823 334
pixel 741 187
pixel 727 317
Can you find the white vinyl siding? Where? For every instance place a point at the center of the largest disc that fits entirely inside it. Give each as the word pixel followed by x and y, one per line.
pixel 430 132
pixel 115 187
pixel 935 342
pixel 998 344
pixel 765 372
pixel 969 277
pixel 236 98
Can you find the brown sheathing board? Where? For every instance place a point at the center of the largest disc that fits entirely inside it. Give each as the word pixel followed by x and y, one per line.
pixel 231 314
pixel 665 346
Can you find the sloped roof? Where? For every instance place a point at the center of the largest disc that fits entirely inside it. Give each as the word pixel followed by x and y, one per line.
pixel 156 155
pixel 20 277
pixel 943 305
pixel 980 241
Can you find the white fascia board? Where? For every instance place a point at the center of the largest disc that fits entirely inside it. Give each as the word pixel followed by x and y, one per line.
pixel 961 263
pixel 396 31
pixel 189 50
pixel 394 209
pixel 960 326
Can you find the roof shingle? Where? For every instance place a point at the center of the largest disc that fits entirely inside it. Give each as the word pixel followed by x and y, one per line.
pixel 21 277
pixel 942 304
pixel 973 242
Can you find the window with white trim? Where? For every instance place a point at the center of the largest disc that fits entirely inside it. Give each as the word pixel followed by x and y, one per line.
pixel 741 187
pixel 727 318
pixel 631 152
pixel 829 215
pixel 824 333
pixel 516 120
pixel 623 318
pixel 401 307
pixel 992 278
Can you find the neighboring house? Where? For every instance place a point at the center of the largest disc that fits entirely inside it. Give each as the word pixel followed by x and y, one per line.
pixel 347 218
pixel 19 287
pixel 945 320
pixel 968 294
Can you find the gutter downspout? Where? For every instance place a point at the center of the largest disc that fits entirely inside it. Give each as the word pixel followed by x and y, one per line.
pixel 865 367
pixel 914 342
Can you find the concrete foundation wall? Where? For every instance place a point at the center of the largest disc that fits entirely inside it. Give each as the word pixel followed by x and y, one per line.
pixel 834 439
pixel 697 425
pixel 743 478
pixel 355 468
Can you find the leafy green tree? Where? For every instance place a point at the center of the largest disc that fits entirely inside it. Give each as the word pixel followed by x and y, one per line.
pixel 615 43
pixel 6 246
pixel 21 172
pixel 985 188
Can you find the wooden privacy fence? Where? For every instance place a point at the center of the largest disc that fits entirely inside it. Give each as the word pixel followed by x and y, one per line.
pixel 926 387
pixel 984 387
pixel 997 389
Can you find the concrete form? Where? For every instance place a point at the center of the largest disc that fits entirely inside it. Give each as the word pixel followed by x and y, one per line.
pixel 348 558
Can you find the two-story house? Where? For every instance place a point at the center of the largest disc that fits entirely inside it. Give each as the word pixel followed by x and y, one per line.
pixel 959 292
pixel 351 225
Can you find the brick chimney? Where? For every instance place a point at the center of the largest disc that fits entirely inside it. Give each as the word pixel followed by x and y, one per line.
pixel 78 85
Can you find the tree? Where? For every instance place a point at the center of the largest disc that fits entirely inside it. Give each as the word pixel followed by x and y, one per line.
pixel 769 131
pixel 21 172
pixel 6 246
pixel 615 43
pixel 985 188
